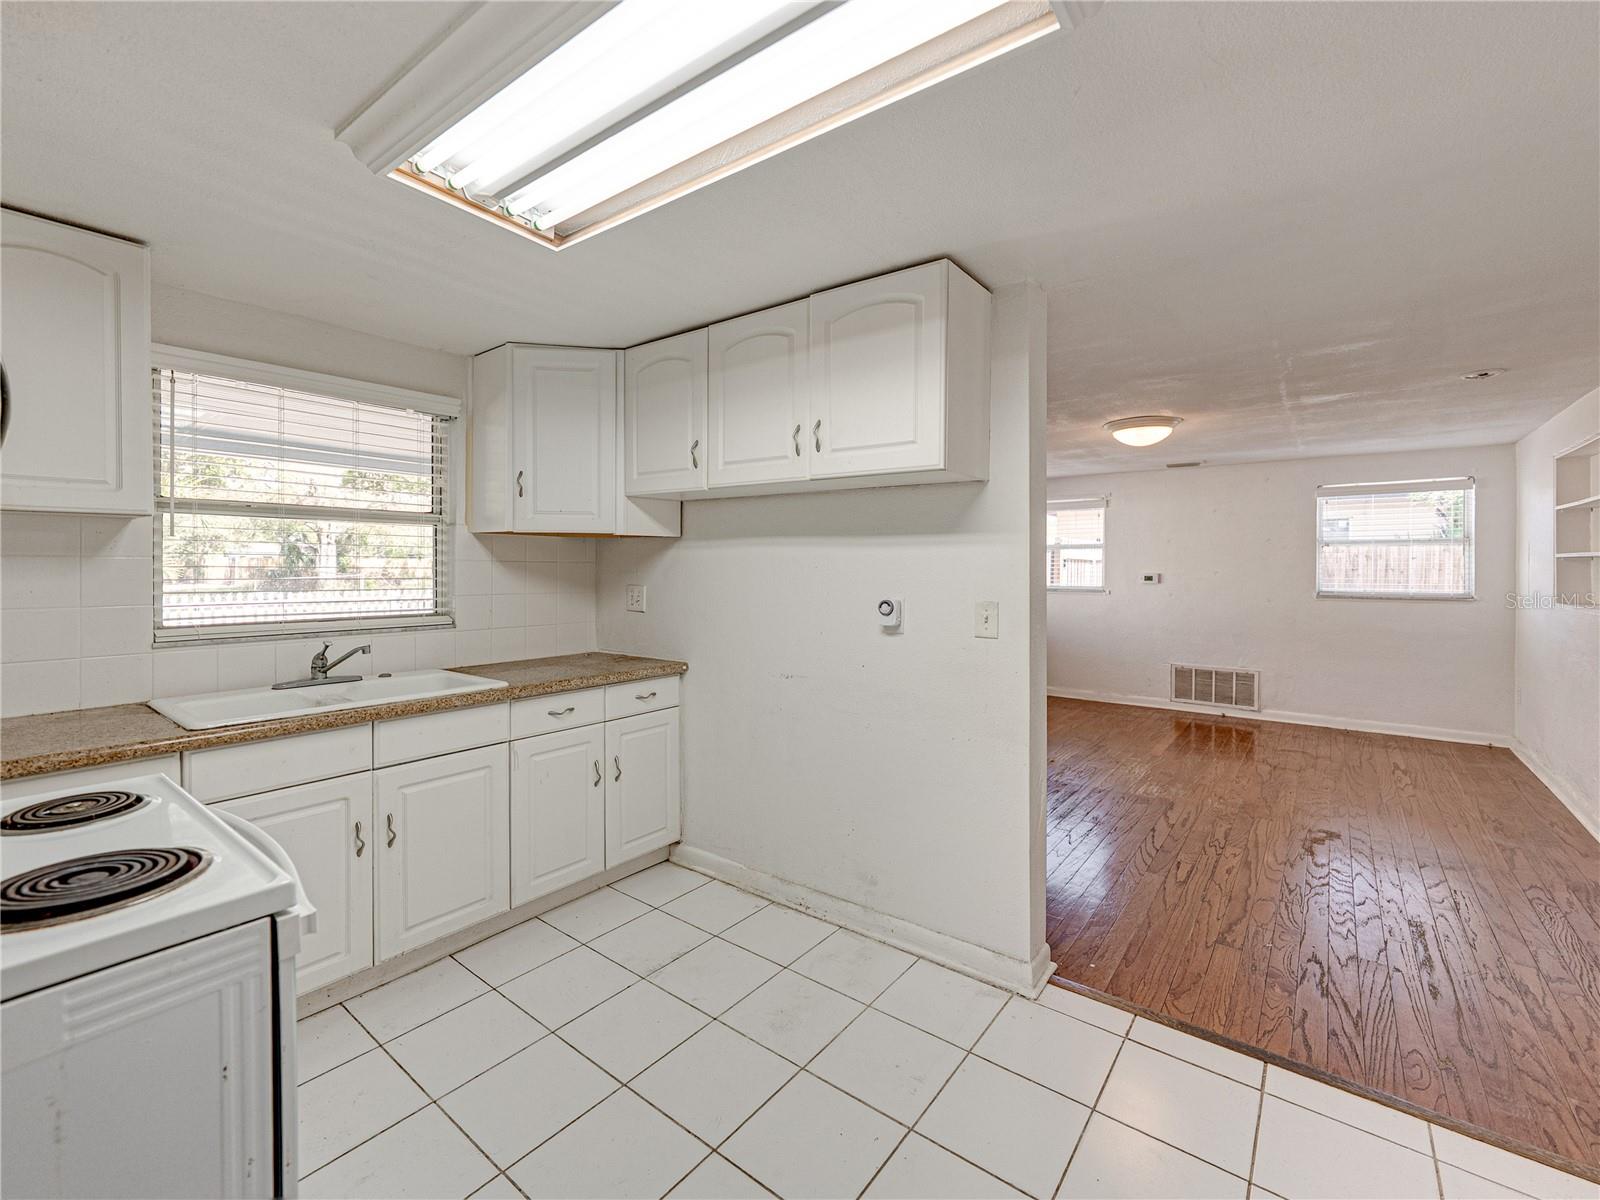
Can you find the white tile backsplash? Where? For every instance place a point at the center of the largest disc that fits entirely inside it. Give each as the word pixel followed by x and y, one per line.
pixel 76 622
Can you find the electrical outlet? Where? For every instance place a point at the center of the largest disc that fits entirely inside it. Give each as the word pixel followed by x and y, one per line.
pixel 635 597
pixel 988 619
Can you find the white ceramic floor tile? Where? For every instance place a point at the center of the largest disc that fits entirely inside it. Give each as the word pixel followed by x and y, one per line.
pixel 1198 1051
pixel 634 1028
pixel 390 1010
pixel 344 1107
pixel 854 965
pixel 1334 1102
pixel 569 986
pixel 1114 1162
pixel 1305 1156
pixel 1107 1017
pixel 718 1179
pixel 778 933
pixel 498 1188
pixel 1511 1170
pixel 587 917
pixel 714 1081
pixel 1208 1115
pixel 659 884
pixel 893 1066
pixel 620 1148
pixel 943 1002
pixel 715 906
pixel 1008 1125
pixel 520 948
pixel 650 942
pixel 327 1039
pixel 813 1140
pixel 922 1170
pixel 715 975
pixel 793 1015
pixel 424 1156
pixel 511 1108
pixel 445 1052
pixel 1464 1185
pixel 1051 1048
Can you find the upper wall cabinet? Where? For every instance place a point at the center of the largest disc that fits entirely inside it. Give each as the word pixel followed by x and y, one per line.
pixel 664 416
pixel 880 382
pixel 76 353
pixel 544 446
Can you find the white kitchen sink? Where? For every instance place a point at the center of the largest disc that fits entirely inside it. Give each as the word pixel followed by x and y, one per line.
pixel 211 710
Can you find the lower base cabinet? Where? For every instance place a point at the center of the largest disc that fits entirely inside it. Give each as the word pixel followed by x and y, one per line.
pixel 558 811
pixel 442 844
pixel 642 809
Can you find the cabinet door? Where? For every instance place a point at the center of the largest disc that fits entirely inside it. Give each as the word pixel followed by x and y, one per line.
pixel 757 410
pixel 76 351
pixel 877 374
pixel 558 811
pixel 664 415
pixel 564 414
pixel 641 784
pixel 326 830
pixel 443 843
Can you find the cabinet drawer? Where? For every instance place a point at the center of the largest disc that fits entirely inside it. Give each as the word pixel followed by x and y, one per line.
pixel 86 778
pixel 646 695
pixel 227 771
pixel 564 710
pixel 409 738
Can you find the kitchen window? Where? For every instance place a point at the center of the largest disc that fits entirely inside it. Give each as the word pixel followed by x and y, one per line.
pixel 293 503
pixel 1075 545
pixel 1409 540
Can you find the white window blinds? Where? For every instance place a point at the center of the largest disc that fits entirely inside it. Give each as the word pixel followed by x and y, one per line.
pixel 1075 544
pixel 1409 539
pixel 283 511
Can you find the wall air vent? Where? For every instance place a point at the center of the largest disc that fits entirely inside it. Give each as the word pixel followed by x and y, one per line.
pixel 1216 685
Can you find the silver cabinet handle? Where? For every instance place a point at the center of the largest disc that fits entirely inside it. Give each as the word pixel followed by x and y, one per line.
pixel 796 436
pixel 645 696
pixel 616 762
pixel 597 772
pixel 694 458
pixel 561 712
pixel 361 842
pixel 519 482
pixel 816 435
pixel 392 833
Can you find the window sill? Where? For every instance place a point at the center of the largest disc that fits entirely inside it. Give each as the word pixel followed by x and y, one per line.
pixel 1057 587
pixel 1391 596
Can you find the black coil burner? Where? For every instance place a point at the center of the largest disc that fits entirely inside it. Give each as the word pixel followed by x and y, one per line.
pixel 93 883
pixel 64 812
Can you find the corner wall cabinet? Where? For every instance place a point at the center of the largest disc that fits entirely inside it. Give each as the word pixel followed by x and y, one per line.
pixel 664 415
pixel 76 353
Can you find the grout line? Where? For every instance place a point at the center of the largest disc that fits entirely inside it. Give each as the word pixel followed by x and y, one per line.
pixel 1438 1171
pixel 1093 1108
pixel 1255 1137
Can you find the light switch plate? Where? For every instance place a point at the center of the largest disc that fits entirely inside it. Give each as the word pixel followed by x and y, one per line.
pixel 988 619
pixel 635 597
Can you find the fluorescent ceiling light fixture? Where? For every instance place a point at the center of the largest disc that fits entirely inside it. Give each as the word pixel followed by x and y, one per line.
pixel 654 99
pixel 1142 431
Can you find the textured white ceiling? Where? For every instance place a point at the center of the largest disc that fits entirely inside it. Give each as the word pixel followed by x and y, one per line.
pixel 1294 225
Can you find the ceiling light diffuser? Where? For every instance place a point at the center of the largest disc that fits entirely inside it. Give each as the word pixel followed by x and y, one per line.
pixel 1142 431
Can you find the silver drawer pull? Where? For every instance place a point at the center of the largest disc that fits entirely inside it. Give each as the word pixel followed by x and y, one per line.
pixel 392 833
pixel 561 712
pixel 519 482
pixel 816 435
pixel 694 456
pixel 796 436
pixel 597 772
pixel 361 842
pixel 646 696
pixel 616 762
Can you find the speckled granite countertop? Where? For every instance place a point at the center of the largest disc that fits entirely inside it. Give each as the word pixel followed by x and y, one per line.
pixel 92 737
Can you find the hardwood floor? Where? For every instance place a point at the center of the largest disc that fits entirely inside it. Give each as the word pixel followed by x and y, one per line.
pixel 1418 918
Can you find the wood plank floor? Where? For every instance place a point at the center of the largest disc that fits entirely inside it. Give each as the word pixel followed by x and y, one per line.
pixel 1418 918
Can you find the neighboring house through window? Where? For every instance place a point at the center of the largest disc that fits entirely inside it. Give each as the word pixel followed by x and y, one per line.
pixel 1411 539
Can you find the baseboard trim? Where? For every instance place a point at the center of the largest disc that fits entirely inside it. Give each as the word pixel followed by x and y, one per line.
pixel 1014 974
pixel 1565 790
pixel 1431 733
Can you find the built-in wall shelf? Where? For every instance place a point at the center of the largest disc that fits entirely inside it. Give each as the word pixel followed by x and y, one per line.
pixel 1576 514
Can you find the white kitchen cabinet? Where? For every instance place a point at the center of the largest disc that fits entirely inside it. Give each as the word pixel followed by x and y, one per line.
pixel 758 404
pixel 443 844
pixel 664 416
pixel 899 376
pixel 76 352
pixel 642 797
pixel 326 830
pixel 558 811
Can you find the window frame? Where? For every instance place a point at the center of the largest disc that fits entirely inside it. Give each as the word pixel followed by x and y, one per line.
pixel 1464 483
pixel 446 408
pixel 1082 502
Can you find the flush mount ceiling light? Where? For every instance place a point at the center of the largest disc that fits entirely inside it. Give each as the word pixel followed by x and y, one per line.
pixel 1142 431
pixel 558 121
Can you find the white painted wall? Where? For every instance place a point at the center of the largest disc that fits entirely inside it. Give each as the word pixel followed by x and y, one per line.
pixel 884 779
pixel 1557 646
pixel 1235 546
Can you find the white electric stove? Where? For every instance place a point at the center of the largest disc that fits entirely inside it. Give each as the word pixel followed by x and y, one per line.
pixel 147 951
